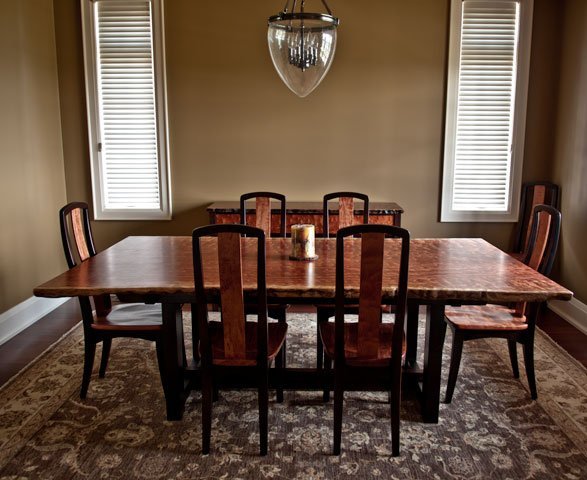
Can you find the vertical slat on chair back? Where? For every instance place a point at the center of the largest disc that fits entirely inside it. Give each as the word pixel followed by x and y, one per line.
pixel 79 235
pixel 346 210
pixel 543 227
pixel 231 295
pixel 263 214
pixel 544 238
pixel 372 245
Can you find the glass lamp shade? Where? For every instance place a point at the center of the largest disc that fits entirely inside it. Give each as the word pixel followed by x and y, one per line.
pixel 302 47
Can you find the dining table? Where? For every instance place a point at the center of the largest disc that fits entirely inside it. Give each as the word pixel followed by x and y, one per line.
pixel 442 271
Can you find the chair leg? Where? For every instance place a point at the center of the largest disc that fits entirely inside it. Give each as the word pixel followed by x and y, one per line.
pixel 529 362
pixel 412 333
pixel 338 401
pixel 206 410
pixel 327 366
pixel 282 318
pixel 195 335
pixel 181 335
pixel 395 395
pixel 512 347
pixel 279 365
pixel 263 411
pixel 321 316
pixel 106 344
pixel 455 363
pixel 281 359
pixel 89 353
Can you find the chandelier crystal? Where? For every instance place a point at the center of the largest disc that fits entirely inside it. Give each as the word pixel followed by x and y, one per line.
pixel 302 46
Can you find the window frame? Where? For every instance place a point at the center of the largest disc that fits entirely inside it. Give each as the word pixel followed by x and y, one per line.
pixel 447 213
pixel 93 114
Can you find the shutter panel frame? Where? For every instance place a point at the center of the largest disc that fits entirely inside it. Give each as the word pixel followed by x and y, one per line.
pixel 483 154
pixel 127 108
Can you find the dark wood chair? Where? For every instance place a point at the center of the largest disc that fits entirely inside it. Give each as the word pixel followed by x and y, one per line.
pixel 533 193
pixel 234 343
pixel 346 211
pixel 346 218
pixel 103 322
pixel 263 210
pixel 368 354
pixel 263 220
pixel 515 323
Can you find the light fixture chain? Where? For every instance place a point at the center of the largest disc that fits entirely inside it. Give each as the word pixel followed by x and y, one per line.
pixel 327 7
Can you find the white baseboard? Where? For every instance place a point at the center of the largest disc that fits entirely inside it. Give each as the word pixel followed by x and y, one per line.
pixel 574 312
pixel 26 313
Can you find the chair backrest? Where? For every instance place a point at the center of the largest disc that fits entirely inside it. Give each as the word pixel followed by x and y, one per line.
pixel 346 210
pixel 542 244
pixel 263 211
pixel 373 261
pixel 543 239
pixel 76 233
pixel 229 238
pixel 533 193
pixel 78 246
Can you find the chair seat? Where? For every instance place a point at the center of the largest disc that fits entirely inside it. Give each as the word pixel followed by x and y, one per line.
pixel 351 335
pixel 131 317
pixel 275 337
pixel 485 317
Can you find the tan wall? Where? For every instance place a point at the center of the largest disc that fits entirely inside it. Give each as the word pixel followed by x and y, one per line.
pixel 570 159
pixel 373 125
pixel 543 90
pixel 32 186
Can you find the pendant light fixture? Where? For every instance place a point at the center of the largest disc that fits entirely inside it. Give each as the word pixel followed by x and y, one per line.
pixel 302 45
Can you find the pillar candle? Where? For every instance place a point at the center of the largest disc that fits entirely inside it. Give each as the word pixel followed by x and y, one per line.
pixel 302 242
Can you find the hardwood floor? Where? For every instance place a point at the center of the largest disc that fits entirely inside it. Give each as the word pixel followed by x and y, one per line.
pixel 565 334
pixel 30 343
pixel 20 350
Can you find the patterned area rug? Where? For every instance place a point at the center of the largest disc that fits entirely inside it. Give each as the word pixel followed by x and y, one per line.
pixel 491 430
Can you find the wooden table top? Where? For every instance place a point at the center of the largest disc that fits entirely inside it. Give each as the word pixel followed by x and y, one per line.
pixel 309 208
pixel 465 269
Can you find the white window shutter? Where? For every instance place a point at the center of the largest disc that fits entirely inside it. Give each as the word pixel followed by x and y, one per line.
pixel 128 121
pixel 485 109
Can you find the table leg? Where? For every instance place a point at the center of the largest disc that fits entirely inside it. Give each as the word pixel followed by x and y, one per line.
pixel 412 333
pixel 172 374
pixel 435 332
